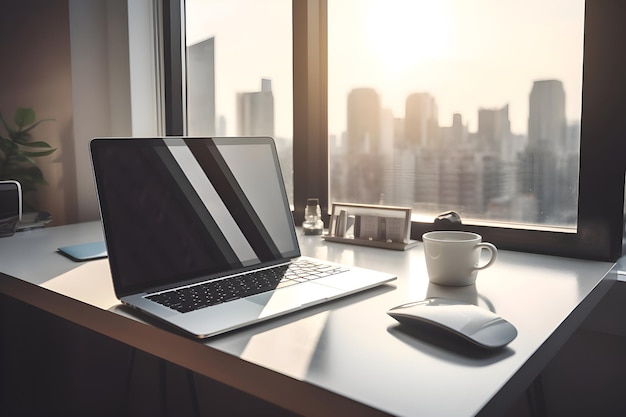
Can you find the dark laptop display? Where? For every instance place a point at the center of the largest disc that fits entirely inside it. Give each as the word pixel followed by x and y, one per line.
pixel 176 223
pixel 199 233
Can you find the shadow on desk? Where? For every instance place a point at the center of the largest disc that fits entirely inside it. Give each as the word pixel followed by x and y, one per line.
pixel 443 345
pixel 239 344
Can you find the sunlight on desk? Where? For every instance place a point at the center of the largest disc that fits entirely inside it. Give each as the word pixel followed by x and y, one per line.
pixel 288 349
pixel 90 283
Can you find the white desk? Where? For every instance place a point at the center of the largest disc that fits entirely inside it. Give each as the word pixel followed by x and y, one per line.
pixel 348 356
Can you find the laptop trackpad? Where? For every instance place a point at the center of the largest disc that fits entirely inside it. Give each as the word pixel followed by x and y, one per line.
pixel 290 298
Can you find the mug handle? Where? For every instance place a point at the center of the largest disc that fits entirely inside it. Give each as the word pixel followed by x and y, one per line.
pixel 494 254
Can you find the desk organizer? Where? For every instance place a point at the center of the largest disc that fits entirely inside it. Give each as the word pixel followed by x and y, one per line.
pixel 377 226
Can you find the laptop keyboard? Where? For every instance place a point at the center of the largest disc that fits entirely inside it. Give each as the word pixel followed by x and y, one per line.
pixel 210 293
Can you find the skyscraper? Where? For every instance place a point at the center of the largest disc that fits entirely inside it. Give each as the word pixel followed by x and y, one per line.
pixel 364 166
pixel 494 142
pixel 255 111
pixel 541 161
pixel 494 129
pixel 421 124
pixel 546 117
pixel 201 88
pixel 363 121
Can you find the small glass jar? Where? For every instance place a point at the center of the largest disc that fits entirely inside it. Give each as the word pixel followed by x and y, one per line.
pixel 313 224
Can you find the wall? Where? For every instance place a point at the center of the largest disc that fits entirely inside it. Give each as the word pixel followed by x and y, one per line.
pixel 36 73
pixel 69 60
pixel 100 85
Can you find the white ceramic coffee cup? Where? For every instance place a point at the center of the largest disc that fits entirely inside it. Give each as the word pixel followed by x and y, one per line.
pixel 452 258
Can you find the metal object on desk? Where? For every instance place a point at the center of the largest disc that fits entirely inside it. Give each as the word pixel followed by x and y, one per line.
pixel 387 227
pixel 10 206
pixel 313 224
pixel 33 220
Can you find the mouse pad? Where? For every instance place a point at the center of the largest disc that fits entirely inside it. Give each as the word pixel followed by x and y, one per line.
pixel 84 251
pixel 478 325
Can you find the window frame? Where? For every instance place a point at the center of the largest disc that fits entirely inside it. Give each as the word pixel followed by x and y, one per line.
pixel 174 69
pixel 600 222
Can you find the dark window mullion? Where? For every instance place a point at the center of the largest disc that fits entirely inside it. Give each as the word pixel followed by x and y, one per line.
pixel 310 104
pixel 174 80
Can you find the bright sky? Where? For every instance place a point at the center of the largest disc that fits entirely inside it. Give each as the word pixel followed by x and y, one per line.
pixel 467 54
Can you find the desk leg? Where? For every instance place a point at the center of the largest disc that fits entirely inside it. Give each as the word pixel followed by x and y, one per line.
pixel 194 393
pixel 129 381
pixel 157 387
pixel 536 399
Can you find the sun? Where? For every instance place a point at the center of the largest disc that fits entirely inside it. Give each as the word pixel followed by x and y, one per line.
pixel 406 33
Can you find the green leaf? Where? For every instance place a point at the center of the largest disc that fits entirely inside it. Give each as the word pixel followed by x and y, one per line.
pixel 36 124
pixel 24 117
pixel 40 153
pixel 20 158
pixel 21 137
pixel 35 173
pixel 39 144
pixel 7 144
pixel 18 148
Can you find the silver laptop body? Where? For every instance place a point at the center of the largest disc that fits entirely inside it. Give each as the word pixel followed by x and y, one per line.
pixel 199 233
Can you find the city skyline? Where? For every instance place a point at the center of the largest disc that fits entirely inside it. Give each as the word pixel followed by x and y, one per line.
pixel 470 109
pixel 469 54
pixel 459 117
pixel 415 161
pixel 491 173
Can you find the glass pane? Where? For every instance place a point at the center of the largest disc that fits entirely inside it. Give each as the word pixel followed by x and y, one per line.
pixel 239 72
pixel 472 106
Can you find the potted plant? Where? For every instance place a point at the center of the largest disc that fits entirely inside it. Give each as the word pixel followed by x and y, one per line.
pixel 17 150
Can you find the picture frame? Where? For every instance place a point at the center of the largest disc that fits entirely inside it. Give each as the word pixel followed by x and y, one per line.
pixel 380 226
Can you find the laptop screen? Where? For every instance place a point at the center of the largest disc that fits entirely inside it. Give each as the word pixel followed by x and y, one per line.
pixel 176 209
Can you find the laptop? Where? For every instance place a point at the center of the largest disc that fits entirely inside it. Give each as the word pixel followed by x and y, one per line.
pixel 200 235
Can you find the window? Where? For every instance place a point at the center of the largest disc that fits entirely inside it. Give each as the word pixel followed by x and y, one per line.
pixel 239 72
pixel 457 105
pixel 593 231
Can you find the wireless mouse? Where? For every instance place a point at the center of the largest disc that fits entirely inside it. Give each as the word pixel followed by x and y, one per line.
pixel 478 325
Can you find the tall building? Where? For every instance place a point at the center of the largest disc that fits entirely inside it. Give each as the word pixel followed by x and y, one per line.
pixel 541 162
pixel 364 118
pixel 462 182
pixel 458 130
pixel 400 179
pixel 494 129
pixel 428 171
pixel 421 123
pixel 494 142
pixel 366 153
pixel 456 135
pixel 255 111
pixel 546 117
pixel 201 88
